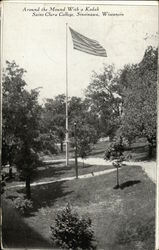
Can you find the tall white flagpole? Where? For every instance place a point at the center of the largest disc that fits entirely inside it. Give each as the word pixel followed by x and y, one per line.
pixel 67 135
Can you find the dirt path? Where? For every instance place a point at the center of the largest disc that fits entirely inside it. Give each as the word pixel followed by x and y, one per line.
pixel 84 176
pixel 148 166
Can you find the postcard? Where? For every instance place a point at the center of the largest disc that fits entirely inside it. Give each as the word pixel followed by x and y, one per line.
pixel 79 125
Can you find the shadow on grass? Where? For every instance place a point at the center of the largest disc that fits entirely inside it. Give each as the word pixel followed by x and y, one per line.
pixel 142 157
pixel 87 166
pixel 51 172
pixel 127 184
pixel 58 171
pixel 46 195
pixel 52 162
pixel 17 234
pixel 98 152
pixel 140 153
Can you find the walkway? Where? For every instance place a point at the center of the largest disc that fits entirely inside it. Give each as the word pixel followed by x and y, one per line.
pixel 84 176
pixel 148 166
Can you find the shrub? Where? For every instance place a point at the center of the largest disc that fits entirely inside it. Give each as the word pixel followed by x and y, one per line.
pixel 72 231
pixel 114 152
pixel 128 157
pixel 115 149
pixel 24 206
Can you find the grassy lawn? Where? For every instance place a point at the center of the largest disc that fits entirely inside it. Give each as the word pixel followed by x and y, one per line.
pixel 137 151
pixel 51 171
pixel 97 151
pixel 56 171
pixel 117 214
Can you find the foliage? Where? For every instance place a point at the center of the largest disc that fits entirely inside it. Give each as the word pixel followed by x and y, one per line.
pixel 21 115
pixel 78 111
pixel 23 134
pixel 12 87
pixel 115 152
pixel 86 133
pixel 84 149
pixel 115 149
pixel 72 232
pixel 104 100
pixel 85 136
pixel 139 84
pixel 126 99
pixel 20 109
pixel 27 161
pixel 24 206
pixel 54 118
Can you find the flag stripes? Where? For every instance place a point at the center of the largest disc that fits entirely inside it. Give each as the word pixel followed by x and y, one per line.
pixel 86 44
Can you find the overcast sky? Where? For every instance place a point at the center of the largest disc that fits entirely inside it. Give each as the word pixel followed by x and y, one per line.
pixel 38 44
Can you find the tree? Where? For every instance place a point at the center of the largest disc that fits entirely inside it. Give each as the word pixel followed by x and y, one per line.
pixel 86 133
pixel 84 150
pixel 54 115
pixel 22 130
pixel 104 100
pixel 78 111
pixel 13 85
pixel 140 98
pixel 72 231
pixel 86 137
pixel 114 152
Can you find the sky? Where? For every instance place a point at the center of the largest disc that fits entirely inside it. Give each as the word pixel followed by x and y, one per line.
pixel 38 43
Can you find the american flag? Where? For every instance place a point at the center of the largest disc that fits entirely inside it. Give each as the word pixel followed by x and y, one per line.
pixel 87 45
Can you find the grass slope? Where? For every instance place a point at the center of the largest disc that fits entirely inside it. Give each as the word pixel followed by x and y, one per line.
pixel 122 218
pixel 137 151
pixel 54 171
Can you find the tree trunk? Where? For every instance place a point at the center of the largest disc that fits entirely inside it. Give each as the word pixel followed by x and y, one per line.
pixel 117 176
pixel 10 172
pixel 10 166
pixel 150 150
pixel 61 147
pixel 150 153
pixel 28 190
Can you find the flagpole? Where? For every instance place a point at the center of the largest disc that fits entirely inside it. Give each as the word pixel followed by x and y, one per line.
pixel 86 45
pixel 67 136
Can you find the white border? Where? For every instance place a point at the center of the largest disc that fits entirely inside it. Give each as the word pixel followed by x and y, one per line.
pixel 124 3
pixel 141 3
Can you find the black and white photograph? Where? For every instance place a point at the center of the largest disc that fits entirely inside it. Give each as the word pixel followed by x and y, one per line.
pixel 79 125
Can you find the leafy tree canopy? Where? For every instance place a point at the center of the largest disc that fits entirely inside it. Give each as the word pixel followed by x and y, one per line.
pixel 23 136
pixel 104 99
pixel 140 97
